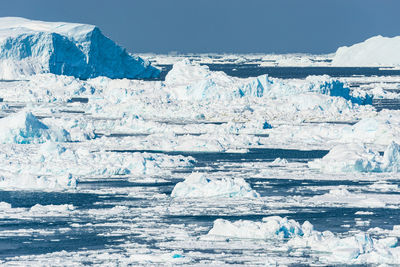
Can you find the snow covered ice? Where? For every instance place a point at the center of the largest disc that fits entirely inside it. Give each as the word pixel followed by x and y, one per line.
pixel 199 167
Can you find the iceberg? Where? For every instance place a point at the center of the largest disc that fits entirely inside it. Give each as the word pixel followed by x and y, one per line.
pixel 375 51
pixel 61 164
pixel 24 128
pixel 391 158
pixel 197 185
pixel 356 248
pixel 348 158
pixel 359 158
pixel 29 47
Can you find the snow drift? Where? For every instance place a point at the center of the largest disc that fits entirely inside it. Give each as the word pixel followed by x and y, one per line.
pixel 375 51
pixel 29 47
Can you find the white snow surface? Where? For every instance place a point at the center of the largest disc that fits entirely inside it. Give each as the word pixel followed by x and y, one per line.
pixel 197 185
pixel 29 47
pixel 375 51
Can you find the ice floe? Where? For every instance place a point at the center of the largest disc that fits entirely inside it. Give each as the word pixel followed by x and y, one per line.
pixel 197 185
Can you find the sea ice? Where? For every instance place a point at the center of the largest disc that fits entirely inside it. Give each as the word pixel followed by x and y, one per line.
pixel 197 185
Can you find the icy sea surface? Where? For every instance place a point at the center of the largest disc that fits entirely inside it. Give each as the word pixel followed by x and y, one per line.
pixel 112 172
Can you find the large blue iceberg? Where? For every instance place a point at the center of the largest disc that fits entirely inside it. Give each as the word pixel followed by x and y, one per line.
pixel 29 47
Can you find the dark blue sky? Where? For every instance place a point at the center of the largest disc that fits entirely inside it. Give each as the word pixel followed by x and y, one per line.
pixel 244 26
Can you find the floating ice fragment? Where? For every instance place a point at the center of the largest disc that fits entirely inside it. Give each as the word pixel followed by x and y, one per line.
pixel 348 158
pixel 391 158
pixel 26 181
pixel 279 162
pixel 24 128
pixel 359 158
pixel 197 185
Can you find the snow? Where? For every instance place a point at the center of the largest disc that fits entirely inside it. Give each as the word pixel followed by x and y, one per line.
pixel 25 128
pixel 197 185
pixel 375 51
pixel 29 47
pixel 357 248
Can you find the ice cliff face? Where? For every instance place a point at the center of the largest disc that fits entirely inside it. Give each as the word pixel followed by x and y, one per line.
pixel 30 47
pixel 375 51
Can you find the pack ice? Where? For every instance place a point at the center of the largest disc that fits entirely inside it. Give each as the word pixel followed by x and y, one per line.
pixel 375 51
pixel 29 47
